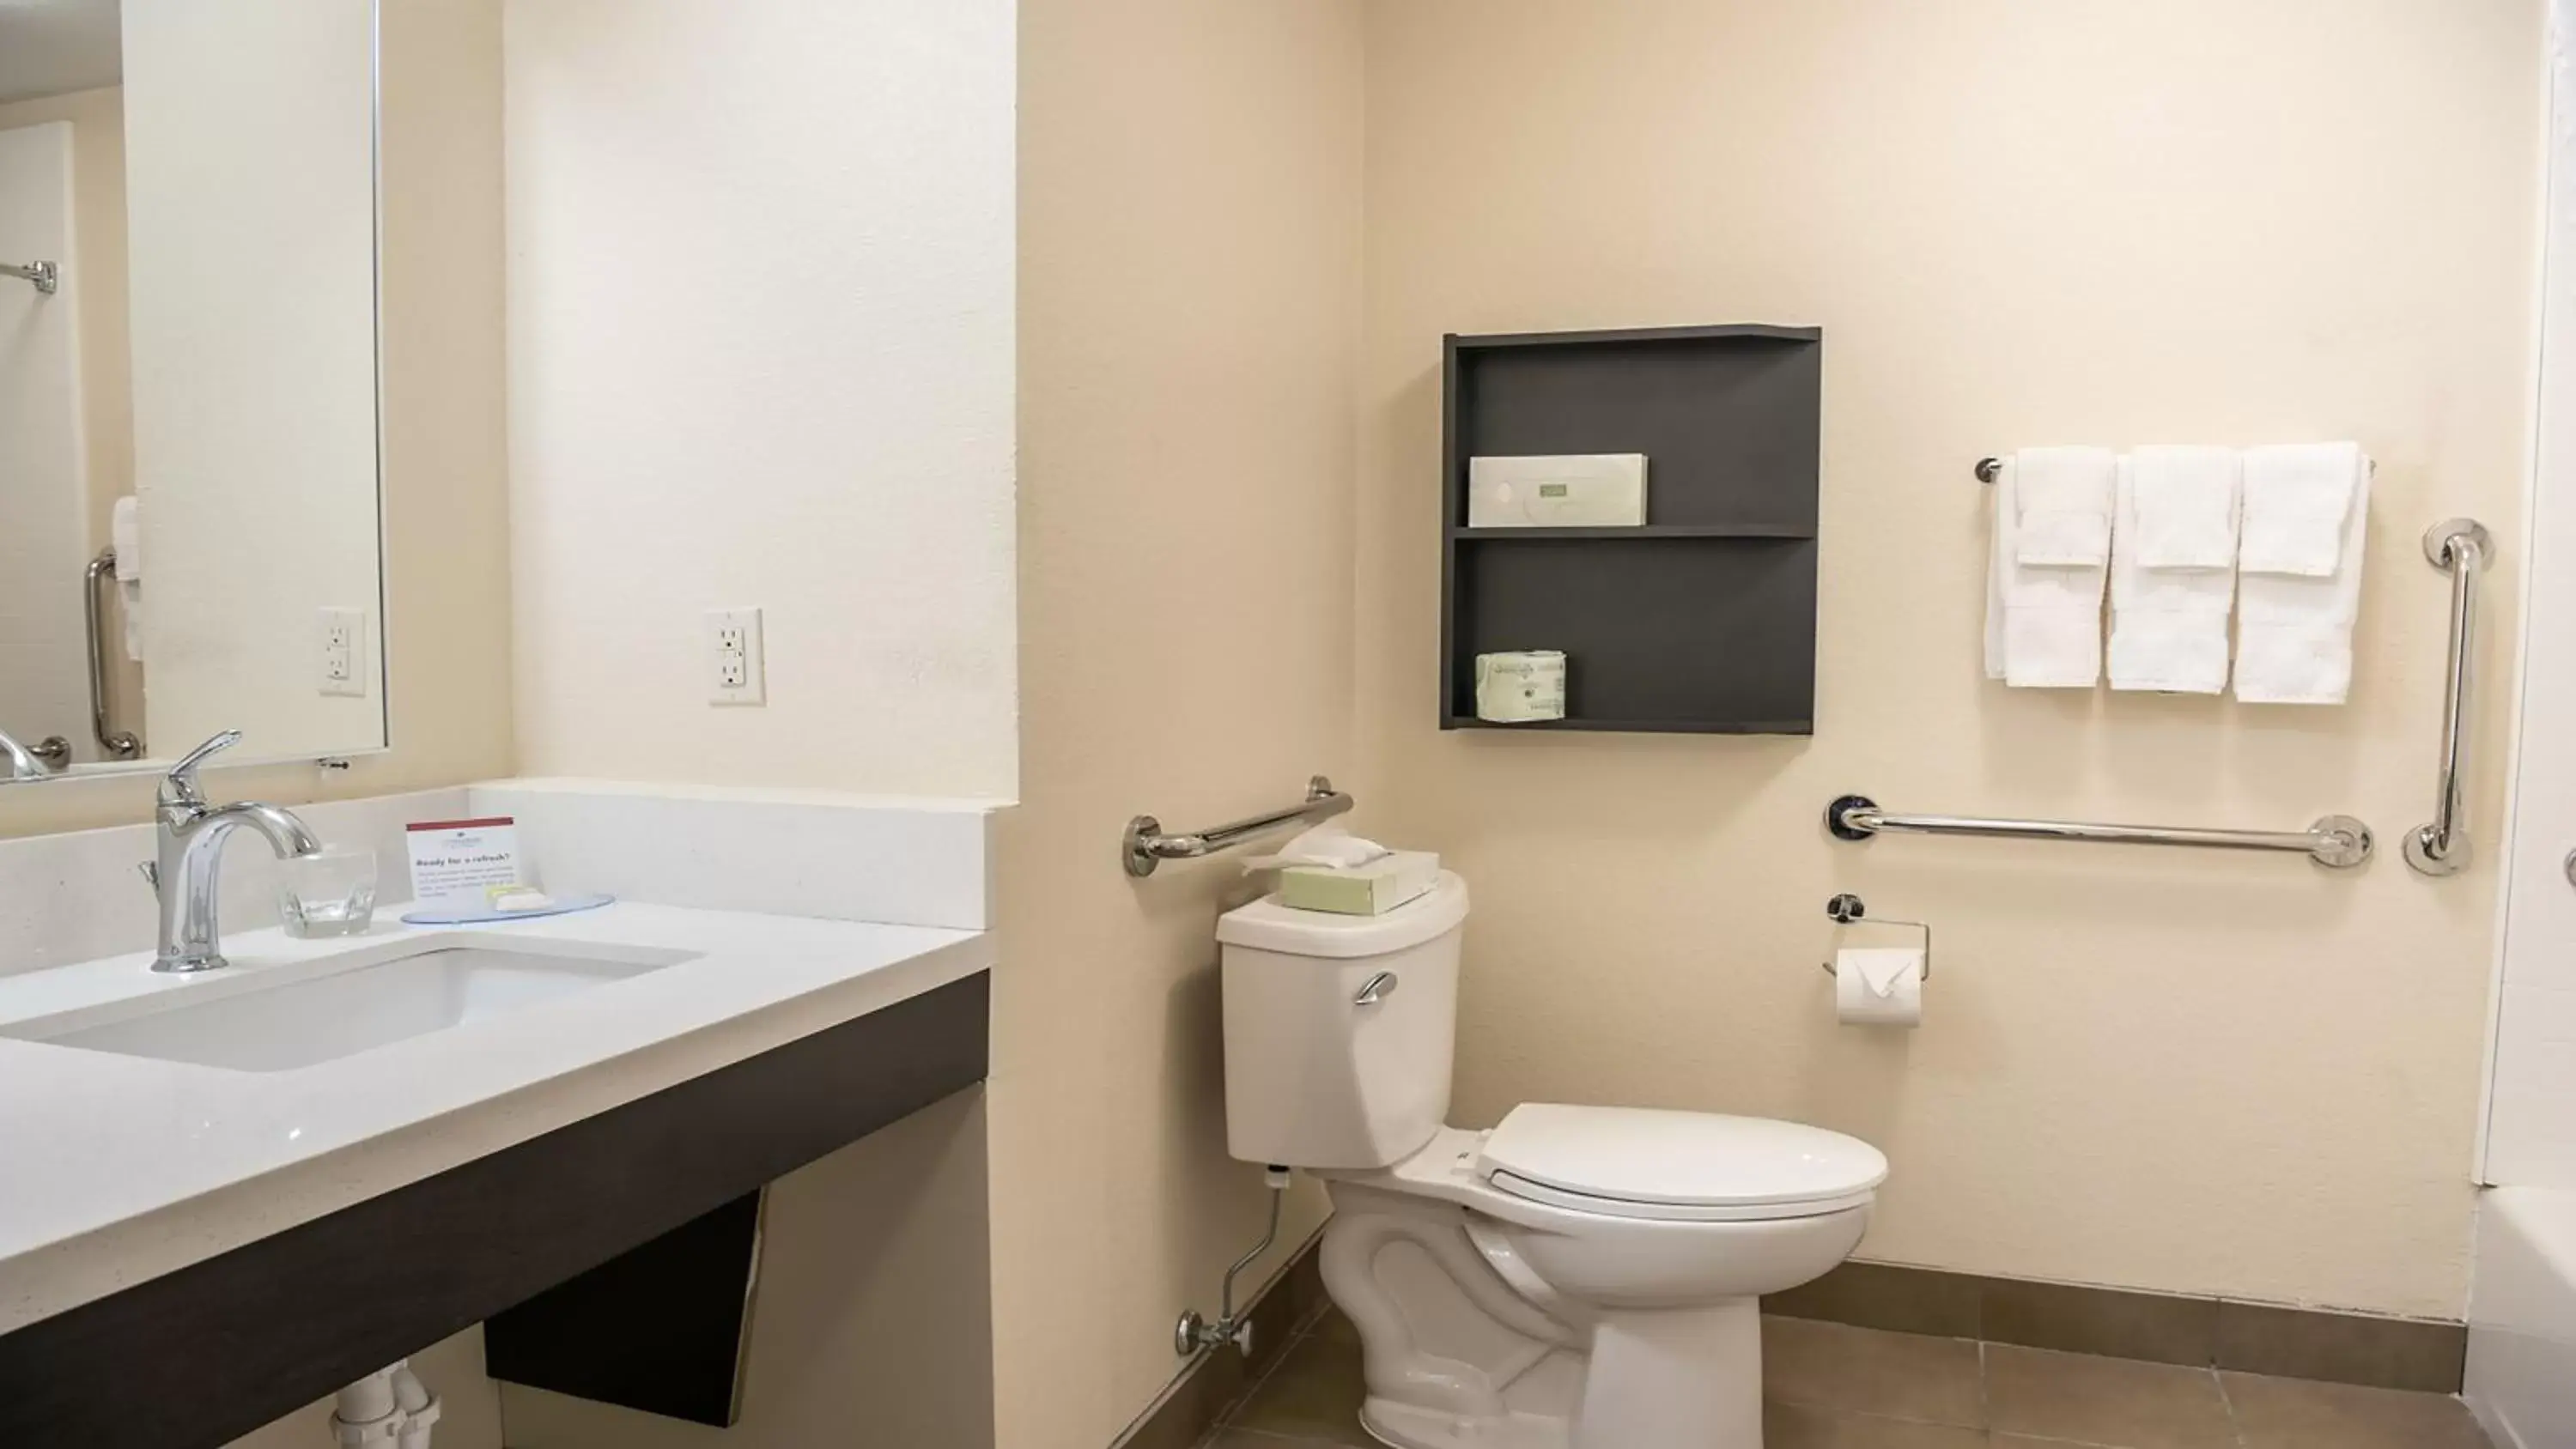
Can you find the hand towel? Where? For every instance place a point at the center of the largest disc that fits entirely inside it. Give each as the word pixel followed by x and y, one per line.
pixel 2064 507
pixel 2043 624
pixel 2297 499
pixel 2186 508
pixel 125 531
pixel 2168 625
pixel 2294 633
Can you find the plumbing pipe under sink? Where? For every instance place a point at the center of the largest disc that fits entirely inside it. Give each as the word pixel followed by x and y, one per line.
pixel 390 1407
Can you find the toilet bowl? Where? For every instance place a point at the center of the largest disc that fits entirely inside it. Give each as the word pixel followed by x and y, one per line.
pixel 1575 1278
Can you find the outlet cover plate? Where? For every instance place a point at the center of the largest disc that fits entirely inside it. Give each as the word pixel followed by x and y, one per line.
pixel 735 673
pixel 340 658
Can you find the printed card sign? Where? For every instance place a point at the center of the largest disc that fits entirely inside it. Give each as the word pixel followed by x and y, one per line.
pixel 457 863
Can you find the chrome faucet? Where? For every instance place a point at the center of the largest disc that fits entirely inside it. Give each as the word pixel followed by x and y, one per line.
pixel 192 835
pixel 17 762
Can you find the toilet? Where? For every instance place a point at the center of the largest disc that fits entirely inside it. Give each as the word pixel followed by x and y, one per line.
pixel 1575 1278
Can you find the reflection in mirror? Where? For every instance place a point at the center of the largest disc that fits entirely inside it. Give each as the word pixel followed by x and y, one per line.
pixel 189 536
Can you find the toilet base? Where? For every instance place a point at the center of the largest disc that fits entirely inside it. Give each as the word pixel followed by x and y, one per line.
pixel 1684 1379
pixel 1488 1321
pixel 1675 1379
pixel 1406 1426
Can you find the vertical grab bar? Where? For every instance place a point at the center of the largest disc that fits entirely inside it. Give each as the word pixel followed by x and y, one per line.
pixel 2460 547
pixel 119 744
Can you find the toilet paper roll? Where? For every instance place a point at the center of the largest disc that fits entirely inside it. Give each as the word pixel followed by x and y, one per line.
pixel 1879 986
pixel 1520 687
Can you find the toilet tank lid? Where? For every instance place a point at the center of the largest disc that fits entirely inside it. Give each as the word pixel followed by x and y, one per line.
pixel 1694 1159
pixel 1266 925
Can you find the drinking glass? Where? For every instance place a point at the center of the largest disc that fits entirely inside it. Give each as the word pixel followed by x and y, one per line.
pixel 329 894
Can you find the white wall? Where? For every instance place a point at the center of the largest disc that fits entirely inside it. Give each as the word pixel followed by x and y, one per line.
pixel 760 354
pixel 250 177
pixel 43 454
pixel 2017 223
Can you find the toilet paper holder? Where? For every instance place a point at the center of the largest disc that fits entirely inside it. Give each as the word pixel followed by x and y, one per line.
pixel 1848 909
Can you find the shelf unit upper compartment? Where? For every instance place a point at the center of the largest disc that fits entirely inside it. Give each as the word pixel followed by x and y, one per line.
pixel 1703 619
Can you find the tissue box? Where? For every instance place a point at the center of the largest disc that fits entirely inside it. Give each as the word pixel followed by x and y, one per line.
pixel 1360 890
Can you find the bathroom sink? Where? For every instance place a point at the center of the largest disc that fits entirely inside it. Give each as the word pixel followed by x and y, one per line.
pixel 285 1017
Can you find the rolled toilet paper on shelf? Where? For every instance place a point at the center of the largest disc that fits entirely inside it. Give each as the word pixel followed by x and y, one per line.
pixel 1879 986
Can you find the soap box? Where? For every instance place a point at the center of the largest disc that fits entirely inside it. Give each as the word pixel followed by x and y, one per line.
pixel 1360 890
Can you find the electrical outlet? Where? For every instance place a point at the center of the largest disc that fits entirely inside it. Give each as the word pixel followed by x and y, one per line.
pixel 734 671
pixel 342 657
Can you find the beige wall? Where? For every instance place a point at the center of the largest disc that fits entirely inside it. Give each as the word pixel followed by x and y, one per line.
pixel 760 355
pixel 446 503
pixel 1189 306
pixel 2017 224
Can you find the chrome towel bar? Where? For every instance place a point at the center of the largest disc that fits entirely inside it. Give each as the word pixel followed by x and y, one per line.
pixel 2336 841
pixel 44 274
pixel 2462 548
pixel 1146 845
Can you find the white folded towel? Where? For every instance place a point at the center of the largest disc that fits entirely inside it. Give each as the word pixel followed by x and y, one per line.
pixel 2186 508
pixel 2043 623
pixel 125 531
pixel 2297 499
pixel 2294 632
pixel 2063 507
pixel 2168 625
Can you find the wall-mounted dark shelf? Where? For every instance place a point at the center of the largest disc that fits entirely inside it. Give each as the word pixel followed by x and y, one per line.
pixel 1702 621
pixel 1651 530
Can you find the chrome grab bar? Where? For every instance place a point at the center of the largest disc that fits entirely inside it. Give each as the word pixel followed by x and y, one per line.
pixel 2462 548
pixel 1145 845
pixel 119 744
pixel 46 276
pixel 2336 841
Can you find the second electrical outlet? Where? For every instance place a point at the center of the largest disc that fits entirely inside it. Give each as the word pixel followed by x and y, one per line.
pixel 734 673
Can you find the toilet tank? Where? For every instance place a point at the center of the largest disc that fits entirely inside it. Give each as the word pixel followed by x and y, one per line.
pixel 1314 1077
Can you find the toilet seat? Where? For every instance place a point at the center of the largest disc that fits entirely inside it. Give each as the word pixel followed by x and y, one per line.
pixel 1638 1163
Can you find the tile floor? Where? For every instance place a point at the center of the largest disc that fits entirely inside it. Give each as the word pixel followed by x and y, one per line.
pixel 1832 1387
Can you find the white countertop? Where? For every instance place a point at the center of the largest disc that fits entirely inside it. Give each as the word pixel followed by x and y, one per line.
pixel 117 1169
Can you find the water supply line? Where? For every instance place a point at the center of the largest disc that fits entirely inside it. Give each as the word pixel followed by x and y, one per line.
pixel 388 1409
pixel 1195 1334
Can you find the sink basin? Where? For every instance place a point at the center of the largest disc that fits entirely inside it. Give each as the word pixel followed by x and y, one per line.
pixel 281 1018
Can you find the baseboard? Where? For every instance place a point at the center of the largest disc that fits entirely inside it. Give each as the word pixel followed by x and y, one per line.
pixel 2427 1355
pixel 1201 1393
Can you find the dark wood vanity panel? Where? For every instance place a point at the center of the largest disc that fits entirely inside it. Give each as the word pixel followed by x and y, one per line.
pixel 203 1355
pixel 664 1328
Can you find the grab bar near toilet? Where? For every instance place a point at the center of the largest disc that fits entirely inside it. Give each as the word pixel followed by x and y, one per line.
pixel 2462 548
pixel 1145 844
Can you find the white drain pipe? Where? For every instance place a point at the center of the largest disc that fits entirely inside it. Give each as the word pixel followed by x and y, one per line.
pixel 388 1409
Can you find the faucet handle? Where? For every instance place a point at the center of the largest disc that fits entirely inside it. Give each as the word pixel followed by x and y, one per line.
pixel 179 787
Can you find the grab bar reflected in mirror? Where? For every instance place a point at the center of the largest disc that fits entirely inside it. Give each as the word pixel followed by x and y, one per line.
pixel 119 744
pixel 1145 844
pixel 2462 548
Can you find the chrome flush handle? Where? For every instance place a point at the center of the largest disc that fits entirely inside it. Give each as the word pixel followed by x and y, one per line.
pixel 1376 989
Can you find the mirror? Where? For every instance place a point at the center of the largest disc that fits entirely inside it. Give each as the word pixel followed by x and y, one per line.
pixel 190 534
